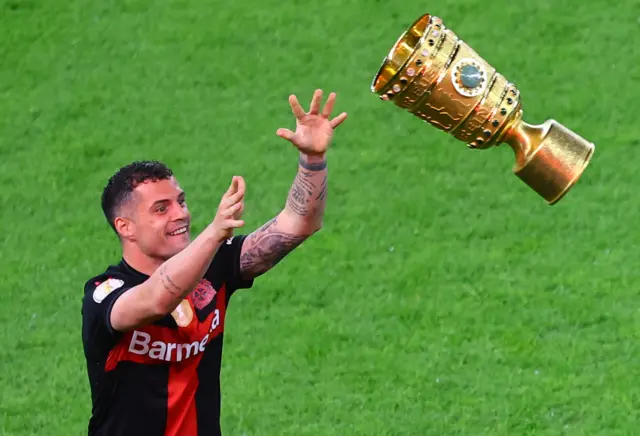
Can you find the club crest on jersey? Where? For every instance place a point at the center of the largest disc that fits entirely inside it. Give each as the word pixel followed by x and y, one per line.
pixel 105 288
pixel 203 294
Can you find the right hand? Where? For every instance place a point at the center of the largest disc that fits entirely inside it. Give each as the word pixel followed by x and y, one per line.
pixel 228 216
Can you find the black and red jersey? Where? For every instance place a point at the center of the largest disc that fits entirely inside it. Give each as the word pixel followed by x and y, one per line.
pixel 162 379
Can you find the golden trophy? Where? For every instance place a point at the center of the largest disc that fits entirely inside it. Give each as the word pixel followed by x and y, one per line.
pixel 437 77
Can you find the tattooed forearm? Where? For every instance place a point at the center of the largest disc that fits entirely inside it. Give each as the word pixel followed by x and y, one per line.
pixel 302 216
pixel 301 191
pixel 266 247
pixel 309 191
pixel 168 284
pixel 323 190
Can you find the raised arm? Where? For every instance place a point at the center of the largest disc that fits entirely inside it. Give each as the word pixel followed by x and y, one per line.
pixel 304 208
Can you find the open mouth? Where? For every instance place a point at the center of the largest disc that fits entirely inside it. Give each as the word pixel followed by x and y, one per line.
pixel 179 231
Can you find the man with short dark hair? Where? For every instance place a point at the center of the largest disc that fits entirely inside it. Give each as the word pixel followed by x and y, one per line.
pixel 153 323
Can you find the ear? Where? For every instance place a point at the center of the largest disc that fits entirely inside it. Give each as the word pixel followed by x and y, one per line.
pixel 125 228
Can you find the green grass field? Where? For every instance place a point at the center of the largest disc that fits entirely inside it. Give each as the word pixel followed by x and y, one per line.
pixel 443 296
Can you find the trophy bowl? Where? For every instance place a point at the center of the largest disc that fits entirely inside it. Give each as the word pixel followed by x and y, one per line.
pixel 439 78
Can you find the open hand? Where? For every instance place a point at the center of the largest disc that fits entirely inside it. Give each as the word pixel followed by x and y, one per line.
pixel 314 129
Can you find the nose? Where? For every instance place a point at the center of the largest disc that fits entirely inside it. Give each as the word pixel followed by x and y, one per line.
pixel 181 213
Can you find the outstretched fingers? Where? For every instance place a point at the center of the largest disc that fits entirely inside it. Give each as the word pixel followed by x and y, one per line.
pixel 285 133
pixel 314 109
pixel 328 107
pixel 297 110
pixel 338 120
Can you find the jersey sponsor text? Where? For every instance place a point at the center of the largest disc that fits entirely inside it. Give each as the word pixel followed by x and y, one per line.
pixel 142 345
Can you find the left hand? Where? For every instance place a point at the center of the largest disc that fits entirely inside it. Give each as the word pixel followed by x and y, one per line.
pixel 314 129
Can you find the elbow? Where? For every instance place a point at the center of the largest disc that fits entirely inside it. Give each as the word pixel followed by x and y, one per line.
pixel 304 232
pixel 161 300
pixel 301 226
pixel 161 305
pixel 311 228
pixel 317 227
pixel 159 310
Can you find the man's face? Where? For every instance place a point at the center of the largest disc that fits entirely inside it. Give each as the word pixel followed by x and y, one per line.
pixel 159 221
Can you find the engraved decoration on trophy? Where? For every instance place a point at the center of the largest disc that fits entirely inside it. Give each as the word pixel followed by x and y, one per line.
pixel 440 79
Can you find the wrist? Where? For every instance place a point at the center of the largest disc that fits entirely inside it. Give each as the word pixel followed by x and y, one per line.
pixel 313 162
pixel 313 158
pixel 213 234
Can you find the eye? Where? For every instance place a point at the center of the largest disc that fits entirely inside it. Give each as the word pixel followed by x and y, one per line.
pixel 161 209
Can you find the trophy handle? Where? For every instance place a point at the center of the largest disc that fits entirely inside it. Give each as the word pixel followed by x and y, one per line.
pixel 549 157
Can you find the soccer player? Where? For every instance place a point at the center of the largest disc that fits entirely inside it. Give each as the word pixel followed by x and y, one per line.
pixel 153 324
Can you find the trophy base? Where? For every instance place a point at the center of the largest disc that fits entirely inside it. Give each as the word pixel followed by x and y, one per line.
pixel 549 157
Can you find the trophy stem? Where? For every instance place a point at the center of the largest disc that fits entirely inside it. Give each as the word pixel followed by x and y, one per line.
pixel 549 157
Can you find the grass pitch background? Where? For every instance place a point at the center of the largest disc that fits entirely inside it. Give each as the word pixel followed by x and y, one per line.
pixel 442 297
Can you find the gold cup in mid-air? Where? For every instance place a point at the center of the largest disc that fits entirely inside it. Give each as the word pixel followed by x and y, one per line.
pixel 437 77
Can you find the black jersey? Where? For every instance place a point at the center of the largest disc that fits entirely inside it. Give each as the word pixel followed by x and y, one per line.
pixel 164 378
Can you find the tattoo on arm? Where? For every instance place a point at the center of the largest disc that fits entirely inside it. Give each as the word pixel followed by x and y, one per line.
pixel 323 192
pixel 309 190
pixel 169 284
pixel 267 246
pixel 300 193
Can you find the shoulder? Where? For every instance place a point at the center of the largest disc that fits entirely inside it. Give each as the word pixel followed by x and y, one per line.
pixel 225 266
pixel 100 293
pixel 100 286
pixel 232 244
pixel 102 290
pixel 230 250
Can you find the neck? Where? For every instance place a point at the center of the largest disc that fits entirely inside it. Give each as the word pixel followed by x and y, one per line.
pixel 140 261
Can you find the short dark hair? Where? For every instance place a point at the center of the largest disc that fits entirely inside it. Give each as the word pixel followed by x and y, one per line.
pixel 120 186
